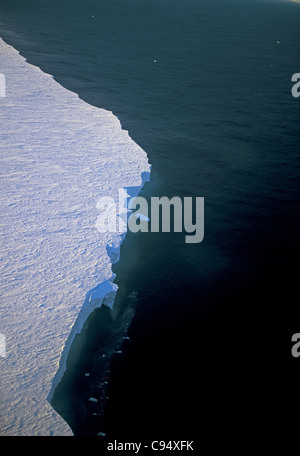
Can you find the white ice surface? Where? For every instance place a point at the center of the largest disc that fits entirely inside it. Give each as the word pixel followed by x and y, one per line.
pixel 58 156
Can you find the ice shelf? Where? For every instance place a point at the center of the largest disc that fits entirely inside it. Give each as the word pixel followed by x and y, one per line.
pixel 59 155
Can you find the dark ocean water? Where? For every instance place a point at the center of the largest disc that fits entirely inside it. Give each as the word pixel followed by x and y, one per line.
pixel 204 87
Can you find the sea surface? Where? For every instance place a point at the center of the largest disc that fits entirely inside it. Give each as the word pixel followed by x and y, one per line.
pixel 204 87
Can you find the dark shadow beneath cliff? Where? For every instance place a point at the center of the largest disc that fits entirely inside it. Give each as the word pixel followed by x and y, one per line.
pixel 81 396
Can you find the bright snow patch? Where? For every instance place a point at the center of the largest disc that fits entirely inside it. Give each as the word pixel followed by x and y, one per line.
pixel 59 155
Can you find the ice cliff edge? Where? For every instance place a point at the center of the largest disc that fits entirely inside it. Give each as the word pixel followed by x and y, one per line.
pixel 58 156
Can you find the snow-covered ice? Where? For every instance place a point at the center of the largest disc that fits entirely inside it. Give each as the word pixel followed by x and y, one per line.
pixel 59 155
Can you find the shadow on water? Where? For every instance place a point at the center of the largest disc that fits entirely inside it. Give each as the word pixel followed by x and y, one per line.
pixel 81 396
